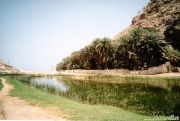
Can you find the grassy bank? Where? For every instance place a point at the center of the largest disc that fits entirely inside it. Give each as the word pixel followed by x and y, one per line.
pixel 154 81
pixel 1 84
pixel 144 95
pixel 74 110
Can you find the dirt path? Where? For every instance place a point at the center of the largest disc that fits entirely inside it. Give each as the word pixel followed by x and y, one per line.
pixel 12 108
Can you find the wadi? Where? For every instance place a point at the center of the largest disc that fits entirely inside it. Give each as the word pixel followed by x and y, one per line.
pixel 134 76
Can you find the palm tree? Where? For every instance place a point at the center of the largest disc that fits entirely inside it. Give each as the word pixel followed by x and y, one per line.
pixel 151 48
pixel 126 56
pixel 173 56
pixel 103 52
pixel 139 47
pixel 75 60
pixel 64 64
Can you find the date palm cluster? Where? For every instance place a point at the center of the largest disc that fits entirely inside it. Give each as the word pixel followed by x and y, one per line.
pixel 138 49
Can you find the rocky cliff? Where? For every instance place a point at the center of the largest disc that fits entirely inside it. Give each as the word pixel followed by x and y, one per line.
pixel 164 15
pixel 5 68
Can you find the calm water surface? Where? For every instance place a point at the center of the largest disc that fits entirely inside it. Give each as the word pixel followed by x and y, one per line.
pixel 53 83
pixel 139 97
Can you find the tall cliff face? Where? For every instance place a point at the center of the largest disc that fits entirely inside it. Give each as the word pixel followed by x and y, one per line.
pixel 164 15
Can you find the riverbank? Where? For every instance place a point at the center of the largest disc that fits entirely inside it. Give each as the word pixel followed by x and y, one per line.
pixel 160 71
pixel 73 110
pixel 165 75
pixel 13 108
pixel 164 68
pixel 1 85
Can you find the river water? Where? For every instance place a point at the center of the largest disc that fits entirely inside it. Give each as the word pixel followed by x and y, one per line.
pixel 141 97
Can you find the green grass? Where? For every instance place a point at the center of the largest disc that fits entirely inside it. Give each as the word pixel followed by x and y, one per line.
pixel 1 84
pixel 154 81
pixel 73 109
pixel 149 96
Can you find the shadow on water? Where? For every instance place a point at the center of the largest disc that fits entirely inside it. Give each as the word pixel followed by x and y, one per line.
pixel 139 97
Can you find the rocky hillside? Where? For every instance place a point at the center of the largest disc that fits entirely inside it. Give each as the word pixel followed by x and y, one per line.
pixel 139 49
pixel 5 68
pixel 164 15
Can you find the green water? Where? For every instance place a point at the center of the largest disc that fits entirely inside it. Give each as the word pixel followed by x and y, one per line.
pixel 139 97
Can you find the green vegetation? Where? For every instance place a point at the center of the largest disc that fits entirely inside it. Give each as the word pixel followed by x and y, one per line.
pixel 159 81
pixel 1 84
pixel 140 47
pixel 150 96
pixel 136 50
pixel 173 56
pixel 98 55
pixel 73 109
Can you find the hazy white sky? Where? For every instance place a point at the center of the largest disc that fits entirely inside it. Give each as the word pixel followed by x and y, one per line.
pixel 37 34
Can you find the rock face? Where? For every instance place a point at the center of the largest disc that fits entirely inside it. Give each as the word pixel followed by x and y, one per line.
pixel 164 15
pixel 5 68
